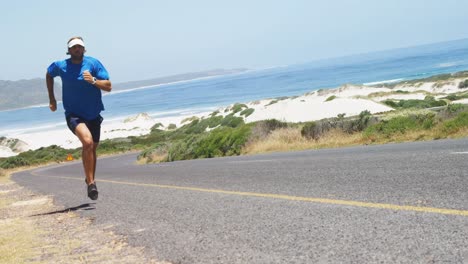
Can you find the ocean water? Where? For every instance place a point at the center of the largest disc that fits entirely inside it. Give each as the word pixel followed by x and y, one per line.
pixel 208 94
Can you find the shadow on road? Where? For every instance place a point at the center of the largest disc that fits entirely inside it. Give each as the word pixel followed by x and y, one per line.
pixel 86 206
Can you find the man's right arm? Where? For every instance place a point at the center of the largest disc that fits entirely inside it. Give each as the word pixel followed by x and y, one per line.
pixel 50 89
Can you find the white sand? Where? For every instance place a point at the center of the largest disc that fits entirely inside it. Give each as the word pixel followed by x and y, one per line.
pixel 349 100
pixel 6 152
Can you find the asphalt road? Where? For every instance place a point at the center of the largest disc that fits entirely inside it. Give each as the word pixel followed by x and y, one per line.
pixel 396 203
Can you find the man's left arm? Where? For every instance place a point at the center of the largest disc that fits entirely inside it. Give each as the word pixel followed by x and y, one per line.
pixel 104 85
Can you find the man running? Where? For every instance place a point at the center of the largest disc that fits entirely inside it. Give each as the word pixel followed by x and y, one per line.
pixel 83 78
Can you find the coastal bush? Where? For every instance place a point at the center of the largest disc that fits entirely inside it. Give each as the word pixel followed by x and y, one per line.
pixel 400 125
pixel 247 112
pixel 454 125
pixel 330 98
pixel 182 149
pixel 156 126
pixel 402 92
pixel 391 103
pixel 200 125
pixel 277 99
pixel 40 156
pixel 116 145
pixel 263 128
pixel 356 125
pixel 315 130
pixel 189 119
pixel 310 131
pixel 153 136
pixel 220 142
pixel 214 121
pixel 273 124
pixel 454 97
pixel 14 162
pixel 455 108
pixel 223 141
pixel 157 152
pixel 272 102
pixel 232 121
pixel 238 107
pixel 428 102
pixel 463 84
pixel 195 127
pixel 171 126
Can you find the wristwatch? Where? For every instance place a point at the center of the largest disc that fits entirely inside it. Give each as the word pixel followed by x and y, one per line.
pixel 94 80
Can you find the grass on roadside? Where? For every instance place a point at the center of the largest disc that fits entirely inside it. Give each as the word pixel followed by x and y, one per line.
pixel 4 176
pixel 19 240
pixel 420 125
pixel 290 139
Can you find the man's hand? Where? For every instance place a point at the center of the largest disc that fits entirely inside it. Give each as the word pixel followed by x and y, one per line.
pixel 53 105
pixel 104 85
pixel 87 76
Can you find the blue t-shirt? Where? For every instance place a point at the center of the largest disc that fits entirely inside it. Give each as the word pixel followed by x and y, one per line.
pixel 80 97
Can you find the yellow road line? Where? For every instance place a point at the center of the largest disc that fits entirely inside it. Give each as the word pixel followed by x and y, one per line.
pixel 295 198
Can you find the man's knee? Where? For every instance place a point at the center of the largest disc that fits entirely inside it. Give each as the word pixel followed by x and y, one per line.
pixel 88 144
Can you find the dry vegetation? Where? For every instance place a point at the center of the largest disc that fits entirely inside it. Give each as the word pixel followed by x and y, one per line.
pixel 34 230
pixel 290 139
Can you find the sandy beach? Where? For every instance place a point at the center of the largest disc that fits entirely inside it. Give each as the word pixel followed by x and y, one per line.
pixel 348 99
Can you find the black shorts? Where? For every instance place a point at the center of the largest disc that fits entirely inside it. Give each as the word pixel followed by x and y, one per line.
pixel 94 125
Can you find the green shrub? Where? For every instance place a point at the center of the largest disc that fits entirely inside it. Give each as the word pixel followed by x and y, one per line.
pixel 391 103
pixel 314 130
pixel 247 112
pixel 454 97
pixel 200 125
pixel 273 124
pixel 364 120
pixel 402 92
pixel 40 156
pixel 14 162
pixel 232 121
pixel 309 130
pixel 454 108
pixel 262 128
pixel 159 148
pixel 238 107
pixel 400 125
pixel 224 141
pixel 182 149
pixel 428 102
pixel 463 84
pixel 189 119
pixel 195 127
pixel 156 126
pixel 115 145
pixel 330 98
pixel 171 126
pixel 214 121
pixel 455 124
pixel 272 102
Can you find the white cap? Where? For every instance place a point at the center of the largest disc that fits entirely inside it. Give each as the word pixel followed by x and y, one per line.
pixel 76 41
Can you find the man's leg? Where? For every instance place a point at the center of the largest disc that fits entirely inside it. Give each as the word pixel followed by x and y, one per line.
pixel 95 145
pixel 88 152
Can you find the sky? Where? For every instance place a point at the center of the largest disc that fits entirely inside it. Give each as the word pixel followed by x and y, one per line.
pixel 139 40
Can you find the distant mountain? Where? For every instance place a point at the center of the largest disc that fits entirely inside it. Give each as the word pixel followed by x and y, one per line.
pixel 24 93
